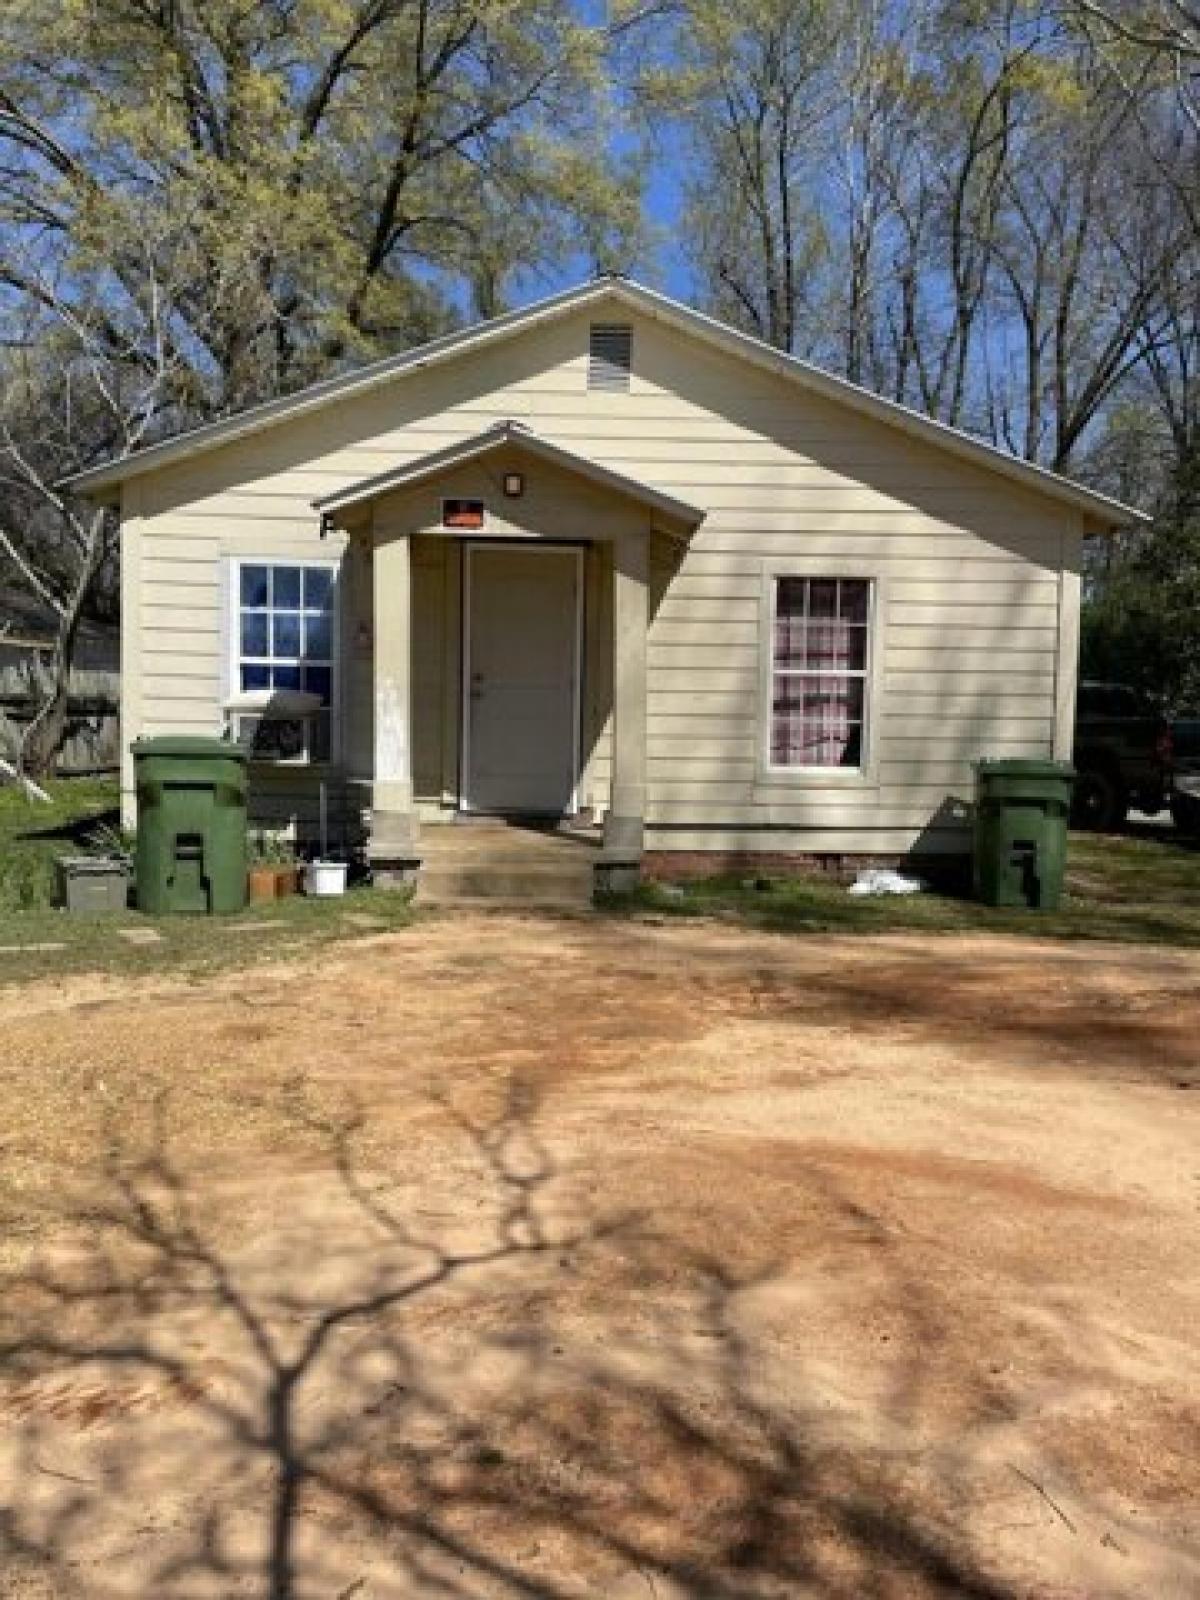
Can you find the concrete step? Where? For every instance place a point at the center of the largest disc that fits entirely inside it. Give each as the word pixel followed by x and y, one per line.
pixel 500 864
pixel 444 880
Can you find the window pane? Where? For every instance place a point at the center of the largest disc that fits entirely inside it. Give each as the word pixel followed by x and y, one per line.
pixel 318 587
pixel 254 634
pixel 816 722
pixel 286 677
pixel 318 637
pixel 852 694
pixel 256 676
pixel 285 587
pixel 787 719
pixel 254 586
pixel 822 597
pixel 789 596
pixel 285 632
pixel 834 646
pixel 319 680
pixel 854 599
pixel 789 642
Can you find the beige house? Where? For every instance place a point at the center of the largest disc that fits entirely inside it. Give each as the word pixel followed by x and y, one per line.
pixel 605 558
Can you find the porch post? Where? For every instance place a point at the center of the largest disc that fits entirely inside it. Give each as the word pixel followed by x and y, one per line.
pixel 393 819
pixel 624 827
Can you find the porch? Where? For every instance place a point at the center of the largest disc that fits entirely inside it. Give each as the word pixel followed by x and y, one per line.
pixel 501 593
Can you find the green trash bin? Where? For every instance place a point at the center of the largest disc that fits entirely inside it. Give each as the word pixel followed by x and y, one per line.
pixel 191 834
pixel 1021 811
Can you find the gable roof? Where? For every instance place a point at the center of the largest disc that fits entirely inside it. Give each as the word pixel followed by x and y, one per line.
pixel 99 482
pixel 507 435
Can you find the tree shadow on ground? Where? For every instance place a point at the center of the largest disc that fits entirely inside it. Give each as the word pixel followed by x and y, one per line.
pixel 412 1412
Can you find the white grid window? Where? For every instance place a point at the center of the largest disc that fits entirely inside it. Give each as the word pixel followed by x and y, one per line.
pixel 285 634
pixel 820 648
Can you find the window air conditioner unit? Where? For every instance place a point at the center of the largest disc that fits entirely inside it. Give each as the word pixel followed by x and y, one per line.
pixel 274 725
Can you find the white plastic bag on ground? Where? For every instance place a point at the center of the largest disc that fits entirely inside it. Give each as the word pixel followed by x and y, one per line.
pixel 884 880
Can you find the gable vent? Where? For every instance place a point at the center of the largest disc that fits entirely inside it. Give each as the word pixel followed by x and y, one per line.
pixel 610 356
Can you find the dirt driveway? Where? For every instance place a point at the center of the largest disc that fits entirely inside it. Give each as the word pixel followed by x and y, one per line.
pixel 543 1258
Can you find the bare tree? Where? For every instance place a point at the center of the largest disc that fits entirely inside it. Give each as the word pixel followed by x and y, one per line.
pixel 73 390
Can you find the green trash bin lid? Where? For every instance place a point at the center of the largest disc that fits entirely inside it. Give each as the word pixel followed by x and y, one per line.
pixel 190 746
pixel 1023 767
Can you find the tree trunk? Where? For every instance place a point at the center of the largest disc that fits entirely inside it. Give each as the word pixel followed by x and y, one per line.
pixel 44 735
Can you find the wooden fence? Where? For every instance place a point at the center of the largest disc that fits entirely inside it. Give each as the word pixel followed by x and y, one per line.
pixel 93 741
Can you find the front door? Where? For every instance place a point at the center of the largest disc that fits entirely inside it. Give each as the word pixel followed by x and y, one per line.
pixel 521 679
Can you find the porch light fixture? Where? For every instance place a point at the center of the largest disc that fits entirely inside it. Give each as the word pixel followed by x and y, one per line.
pixel 514 485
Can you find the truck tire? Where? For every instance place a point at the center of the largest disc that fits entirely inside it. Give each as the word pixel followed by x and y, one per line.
pixel 1100 801
pixel 1185 813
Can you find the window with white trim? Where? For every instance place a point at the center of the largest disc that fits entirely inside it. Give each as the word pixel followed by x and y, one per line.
pixel 820 650
pixel 284 635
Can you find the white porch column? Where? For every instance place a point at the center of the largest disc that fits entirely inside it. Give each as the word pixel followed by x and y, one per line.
pixel 624 827
pixel 393 819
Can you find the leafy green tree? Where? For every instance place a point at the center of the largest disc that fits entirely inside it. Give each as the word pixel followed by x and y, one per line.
pixel 323 179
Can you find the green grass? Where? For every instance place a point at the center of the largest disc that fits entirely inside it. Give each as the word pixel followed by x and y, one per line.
pixel 33 835
pixel 1139 890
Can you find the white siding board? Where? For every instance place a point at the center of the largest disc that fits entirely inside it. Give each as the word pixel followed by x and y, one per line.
pixel 936 731
pixel 196 596
pixel 902 657
pixel 1013 685
pixel 180 642
pixel 952 613
pixel 166 618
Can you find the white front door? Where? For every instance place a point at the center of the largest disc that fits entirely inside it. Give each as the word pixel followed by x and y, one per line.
pixel 521 679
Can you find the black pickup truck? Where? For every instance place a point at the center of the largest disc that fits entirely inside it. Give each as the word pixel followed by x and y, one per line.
pixel 1122 755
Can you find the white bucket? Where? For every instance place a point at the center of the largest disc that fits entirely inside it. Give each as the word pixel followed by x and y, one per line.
pixel 323 878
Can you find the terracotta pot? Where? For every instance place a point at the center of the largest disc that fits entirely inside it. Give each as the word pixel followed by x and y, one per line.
pixel 261 882
pixel 287 881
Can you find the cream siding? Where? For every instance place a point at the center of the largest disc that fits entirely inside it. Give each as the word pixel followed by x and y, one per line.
pixel 978 577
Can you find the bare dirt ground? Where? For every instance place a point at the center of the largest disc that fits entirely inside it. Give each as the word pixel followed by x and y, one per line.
pixel 542 1258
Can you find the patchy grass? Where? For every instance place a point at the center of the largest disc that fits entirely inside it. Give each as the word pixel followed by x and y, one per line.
pixel 33 835
pixel 38 941
pixel 1140 890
